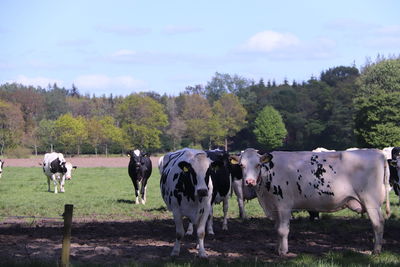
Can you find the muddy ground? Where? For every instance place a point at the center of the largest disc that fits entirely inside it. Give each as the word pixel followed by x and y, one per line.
pixel 119 242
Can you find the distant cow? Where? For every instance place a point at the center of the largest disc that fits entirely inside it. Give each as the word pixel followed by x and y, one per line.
pixel 57 169
pixel 393 157
pixel 139 170
pixel 221 181
pixel 187 189
pixel 1 166
pixel 327 181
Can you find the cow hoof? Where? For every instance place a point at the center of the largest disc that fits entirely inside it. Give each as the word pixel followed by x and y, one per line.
pixel 225 228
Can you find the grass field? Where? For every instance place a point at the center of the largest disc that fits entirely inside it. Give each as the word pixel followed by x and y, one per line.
pixel 107 194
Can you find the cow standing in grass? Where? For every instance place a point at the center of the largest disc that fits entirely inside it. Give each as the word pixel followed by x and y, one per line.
pixel 325 181
pixel 57 169
pixel 186 189
pixel 1 167
pixel 139 170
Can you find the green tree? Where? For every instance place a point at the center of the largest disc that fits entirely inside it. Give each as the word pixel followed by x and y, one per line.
pixel 377 106
pixel 142 118
pixel 269 128
pixel 112 134
pixel 196 113
pixel 46 134
pixel 71 132
pixel 11 125
pixel 230 116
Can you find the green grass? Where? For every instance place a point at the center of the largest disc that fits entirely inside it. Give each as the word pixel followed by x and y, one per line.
pixel 107 194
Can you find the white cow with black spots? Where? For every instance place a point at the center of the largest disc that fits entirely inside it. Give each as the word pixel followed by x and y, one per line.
pixel 186 189
pixel 324 181
pixel 57 169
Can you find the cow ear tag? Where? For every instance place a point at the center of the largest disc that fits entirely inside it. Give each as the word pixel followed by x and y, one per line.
pixel 185 169
pixel 234 161
pixel 265 158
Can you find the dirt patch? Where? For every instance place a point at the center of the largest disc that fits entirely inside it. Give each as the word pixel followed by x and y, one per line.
pixel 119 242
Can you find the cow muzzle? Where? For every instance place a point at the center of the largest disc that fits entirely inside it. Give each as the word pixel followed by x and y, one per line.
pixel 68 177
pixel 250 182
pixel 202 192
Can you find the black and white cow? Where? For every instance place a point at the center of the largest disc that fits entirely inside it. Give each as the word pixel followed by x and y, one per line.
pixel 187 189
pixel 325 181
pixel 139 170
pixel 393 157
pixel 1 166
pixel 57 169
pixel 221 180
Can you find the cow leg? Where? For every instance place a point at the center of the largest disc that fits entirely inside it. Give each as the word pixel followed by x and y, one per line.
pixel 55 184
pixel 189 230
pixel 377 220
pixel 62 182
pixel 225 204
pixel 210 229
pixel 237 188
pixel 180 231
pixel 143 191
pixel 136 186
pixel 200 235
pixel 48 183
pixel 282 223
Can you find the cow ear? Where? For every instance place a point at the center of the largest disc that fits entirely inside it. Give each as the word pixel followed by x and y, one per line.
pixel 234 160
pixel 74 167
pixel 266 158
pixel 185 166
pixel 392 162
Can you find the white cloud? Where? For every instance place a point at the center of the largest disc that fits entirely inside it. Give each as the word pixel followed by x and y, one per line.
pixel 269 41
pixel 104 82
pixel 36 81
pixel 287 46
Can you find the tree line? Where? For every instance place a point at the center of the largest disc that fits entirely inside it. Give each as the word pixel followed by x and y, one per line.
pixel 343 107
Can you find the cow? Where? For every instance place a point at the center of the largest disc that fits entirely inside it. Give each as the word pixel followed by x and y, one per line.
pixel 139 169
pixel 393 156
pixel 221 181
pixel 187 189
pixel 324 181
pixel 1 166
pixel 57 169
pixel 241 191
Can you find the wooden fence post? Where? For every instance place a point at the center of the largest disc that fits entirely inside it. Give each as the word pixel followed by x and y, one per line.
pixel 68 209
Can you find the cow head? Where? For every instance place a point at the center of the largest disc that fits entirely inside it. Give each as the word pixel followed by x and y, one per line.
pixel 68 170
pixel 1 167
pixel 394 165
pixel 137 158
pixel 197 168
pixel 251 163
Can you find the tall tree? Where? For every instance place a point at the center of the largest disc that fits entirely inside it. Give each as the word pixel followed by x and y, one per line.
pixel 269 128
pixel 71 132
pixel 377 110
pixel 196 113
pixel 230 115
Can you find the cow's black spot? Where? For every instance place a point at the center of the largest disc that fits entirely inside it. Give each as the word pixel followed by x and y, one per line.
pixel 287 182
pixel 280 191
pixel 300 176
pixel 268 185
pixel 299 187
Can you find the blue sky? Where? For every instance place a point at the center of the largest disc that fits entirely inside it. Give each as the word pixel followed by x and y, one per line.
pixel 122 47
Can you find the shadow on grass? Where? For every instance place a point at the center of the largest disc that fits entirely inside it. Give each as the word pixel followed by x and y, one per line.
pixel 331 241
pixel 126 201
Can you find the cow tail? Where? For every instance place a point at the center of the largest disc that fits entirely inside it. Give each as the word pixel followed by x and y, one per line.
pixel 387 189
